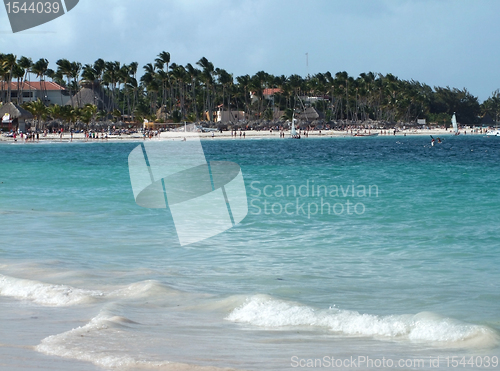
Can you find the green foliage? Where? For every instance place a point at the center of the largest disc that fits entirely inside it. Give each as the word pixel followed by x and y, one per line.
pixel 287 115
pixel 191 117
pixel 177 116
pixel 440 119
pixel 491 106
pixel 197 90
pixel 268 114
pixel 447 100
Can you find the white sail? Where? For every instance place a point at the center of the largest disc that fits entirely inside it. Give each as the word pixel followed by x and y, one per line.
pixel 454 122
pixel 293 132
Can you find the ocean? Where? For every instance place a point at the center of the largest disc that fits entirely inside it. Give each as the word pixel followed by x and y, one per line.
pixel 367 253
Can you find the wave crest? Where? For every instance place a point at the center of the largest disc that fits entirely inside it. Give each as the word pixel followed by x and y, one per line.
pixel 63 295
pixel 427 327
pixel 45 293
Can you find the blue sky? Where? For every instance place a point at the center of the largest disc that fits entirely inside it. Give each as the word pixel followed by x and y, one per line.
pixel 438 42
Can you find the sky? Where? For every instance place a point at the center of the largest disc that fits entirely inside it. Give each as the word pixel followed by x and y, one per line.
pixel 451 43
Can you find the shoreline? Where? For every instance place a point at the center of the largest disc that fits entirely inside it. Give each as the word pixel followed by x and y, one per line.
pixel 226 135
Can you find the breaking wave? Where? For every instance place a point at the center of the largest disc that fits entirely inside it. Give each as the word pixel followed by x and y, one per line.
pixel 264 311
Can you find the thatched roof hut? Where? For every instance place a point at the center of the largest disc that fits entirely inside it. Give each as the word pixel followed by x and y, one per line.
pixel 487 120
pixel 87 95
pixel 310 114
pixel 15 112
pixel 17 116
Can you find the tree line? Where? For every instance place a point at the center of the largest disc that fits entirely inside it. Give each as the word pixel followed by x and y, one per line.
pixel 195 92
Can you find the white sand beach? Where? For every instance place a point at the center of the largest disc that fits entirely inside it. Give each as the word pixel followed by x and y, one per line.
pixel 236 135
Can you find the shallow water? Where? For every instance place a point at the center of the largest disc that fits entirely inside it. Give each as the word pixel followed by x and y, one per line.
pixel 404 267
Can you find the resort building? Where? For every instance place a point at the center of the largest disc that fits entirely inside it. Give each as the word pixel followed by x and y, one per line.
pixel 267 93
pixel 233 116
pixel 47 91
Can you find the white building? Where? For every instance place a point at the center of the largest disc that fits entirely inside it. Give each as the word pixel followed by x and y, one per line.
pixel 226 116
pixel 47 91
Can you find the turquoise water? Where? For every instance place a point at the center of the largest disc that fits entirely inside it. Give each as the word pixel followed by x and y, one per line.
pixel 404 267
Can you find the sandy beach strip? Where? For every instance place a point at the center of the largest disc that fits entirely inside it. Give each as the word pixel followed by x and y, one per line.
pixel 249 134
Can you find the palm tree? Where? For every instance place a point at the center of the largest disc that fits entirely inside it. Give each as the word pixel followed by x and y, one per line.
pixel 193 74
pixel 37 109
pixel 87 114
pixel 26 64
pixel 226 80
pixel 8 62
pixel 150 82
pixel 179 74
pixel 64 69
pixel 112 77
pixel 75 70
pixel 207 77
pixel 69 114
pixel 132 84
pixel 99 67
pixel 123 75
pixel 89 77
pixel 18 73
pixel 244 82
pixel 342 86
pixel 54 111
pixel 40 68
pixel 163 78
pixel 160 62
pixel 491 106
pixel 134 87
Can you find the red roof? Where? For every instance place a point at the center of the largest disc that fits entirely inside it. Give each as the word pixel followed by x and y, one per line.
pixel 32 85
pixel 271 91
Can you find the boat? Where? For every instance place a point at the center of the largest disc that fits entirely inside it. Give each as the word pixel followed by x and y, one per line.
pixel 365 135
pixel 454 123
pixel 493 133
pixel 293 132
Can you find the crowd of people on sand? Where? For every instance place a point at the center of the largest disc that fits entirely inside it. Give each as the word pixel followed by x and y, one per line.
pixel 236 131
pixel 34 136
pixel 234 134
pixel 151 134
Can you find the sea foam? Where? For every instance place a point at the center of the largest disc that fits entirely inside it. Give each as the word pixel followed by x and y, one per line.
pixel 46 293
pixel 56 295
pixel 74 343
pixel 107 342
pixel 426 327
